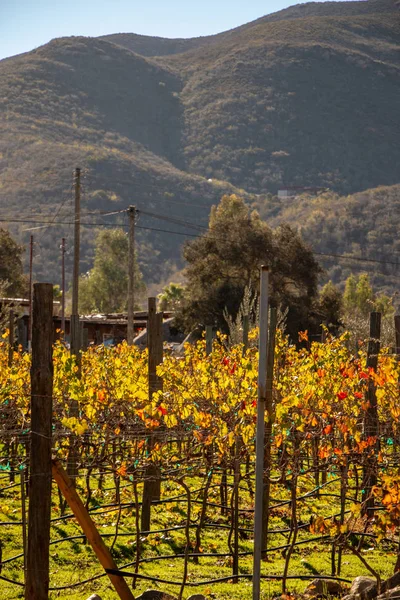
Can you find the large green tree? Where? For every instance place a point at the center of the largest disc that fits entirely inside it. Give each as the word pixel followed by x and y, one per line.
pixel 12 279
pixel 227 258
pixel 105 287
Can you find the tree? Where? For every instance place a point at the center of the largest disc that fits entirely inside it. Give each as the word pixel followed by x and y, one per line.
pixel 364 294
pixel 57 292
pixel 12 278
pixel 223 261
pixel 105 287
pixel 330 306
pixel 171 297
pixel 360 297
pixel 350 293
pixel 359 301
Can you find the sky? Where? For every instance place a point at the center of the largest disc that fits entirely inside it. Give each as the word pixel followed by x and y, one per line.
pixel 27 24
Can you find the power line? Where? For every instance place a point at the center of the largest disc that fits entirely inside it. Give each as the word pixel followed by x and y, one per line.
pixel 187 234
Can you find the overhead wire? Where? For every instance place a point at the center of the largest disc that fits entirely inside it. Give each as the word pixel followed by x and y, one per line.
pixel 187 234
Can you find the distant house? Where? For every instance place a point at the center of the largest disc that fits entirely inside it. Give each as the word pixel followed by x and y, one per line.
pixel 98 329
pixel 291 191
pixel 22 305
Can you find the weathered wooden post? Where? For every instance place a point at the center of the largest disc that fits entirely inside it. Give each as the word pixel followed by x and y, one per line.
pixel 23 510
pixel 246 327
pixel 209 339
pixel 152 482
pixel 260 430
pixel 11 337
pixel 397 333
pixel 371 420
pixel 268 425
pixel 37 576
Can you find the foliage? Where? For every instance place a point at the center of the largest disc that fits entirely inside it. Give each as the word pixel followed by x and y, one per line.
pixel 12 278
pixel 171 297
pixel 330 306
pixel 105 287
pixel 209 403
pixel 352 234
pixel 227 258
pixel 249 308
pixel 359 300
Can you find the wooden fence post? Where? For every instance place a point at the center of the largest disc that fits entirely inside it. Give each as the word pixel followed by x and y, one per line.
pixel 268 425
pixel 209 339
pixel 260 431
pixel 37 576
pixel 23 510
pixel 152 482
pixel 11 338
pixel 246 327
pixel 371 420
pixel 397 333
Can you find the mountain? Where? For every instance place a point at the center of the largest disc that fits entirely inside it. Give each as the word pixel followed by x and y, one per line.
pixel 362 225
pixel 307 96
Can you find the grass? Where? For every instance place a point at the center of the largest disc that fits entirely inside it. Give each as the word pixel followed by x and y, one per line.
pixel 74 561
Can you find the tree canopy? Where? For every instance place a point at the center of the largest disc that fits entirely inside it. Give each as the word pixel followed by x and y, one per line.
pixel 105 287
pixel 12 278
pixel 227 258
pixel 171 297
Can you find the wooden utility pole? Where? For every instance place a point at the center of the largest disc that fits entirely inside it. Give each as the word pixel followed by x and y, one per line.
pixel 63 287
pixel 371 419
pixel 74 324
pixel 30 292
pixel 37 576
pixel 131 280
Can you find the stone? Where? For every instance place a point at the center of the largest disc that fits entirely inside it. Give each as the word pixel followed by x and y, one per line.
pixel 155 595
pixel 360 584
pixel 197 597
pixel 322 588
pixel 393 594
pixel 94 597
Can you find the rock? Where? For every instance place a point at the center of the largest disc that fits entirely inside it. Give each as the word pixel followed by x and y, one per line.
pixel 394 593
pixel 322 588
pixel 360 584
pixel 94 597
pixel 155 595
pixel 197 597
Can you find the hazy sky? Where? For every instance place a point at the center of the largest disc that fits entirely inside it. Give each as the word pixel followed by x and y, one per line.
pixel 27 24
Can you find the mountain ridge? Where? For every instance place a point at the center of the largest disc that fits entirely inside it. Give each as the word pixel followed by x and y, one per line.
pixel 303 97
pixel 143 44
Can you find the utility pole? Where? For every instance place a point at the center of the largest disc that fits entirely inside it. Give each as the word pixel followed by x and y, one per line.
pixel 131 280
pixel 30 293
pixel 63 287
pixel 74 324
